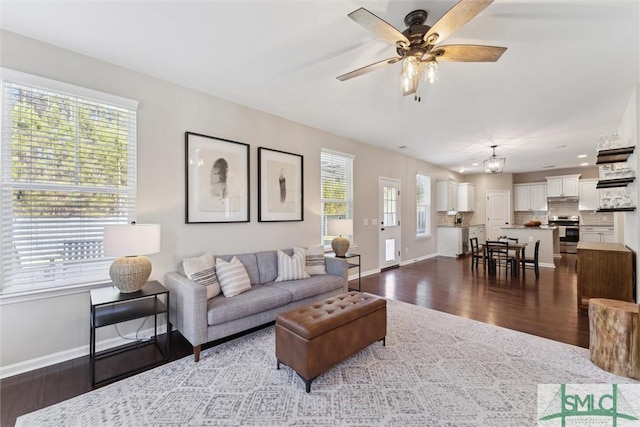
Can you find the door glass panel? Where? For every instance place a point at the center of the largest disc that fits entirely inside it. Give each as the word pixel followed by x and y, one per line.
pixel 390 249
pixel 390 206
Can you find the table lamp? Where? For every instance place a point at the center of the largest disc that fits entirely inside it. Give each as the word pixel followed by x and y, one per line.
pixel 130 242
pixel 338 227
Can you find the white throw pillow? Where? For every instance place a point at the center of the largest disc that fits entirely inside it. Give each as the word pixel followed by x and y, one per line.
pixel 202 270
pixel 233 277
pixel 291 267
pixel 314 261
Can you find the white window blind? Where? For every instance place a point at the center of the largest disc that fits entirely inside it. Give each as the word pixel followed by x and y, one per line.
pixel 68 168
pixel 336 192
pixel 423 205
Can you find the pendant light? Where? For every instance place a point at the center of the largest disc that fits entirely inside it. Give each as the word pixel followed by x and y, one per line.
pixel 494 164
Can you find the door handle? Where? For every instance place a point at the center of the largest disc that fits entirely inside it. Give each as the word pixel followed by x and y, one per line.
pixel 382 229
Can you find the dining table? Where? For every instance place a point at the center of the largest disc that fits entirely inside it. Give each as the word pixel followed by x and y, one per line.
pixel 517 248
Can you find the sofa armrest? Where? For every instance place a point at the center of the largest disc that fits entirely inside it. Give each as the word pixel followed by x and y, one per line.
pixel 188 311
pixel 338 267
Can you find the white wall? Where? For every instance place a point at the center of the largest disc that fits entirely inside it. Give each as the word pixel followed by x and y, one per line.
pixel 629 130
pixel 31 330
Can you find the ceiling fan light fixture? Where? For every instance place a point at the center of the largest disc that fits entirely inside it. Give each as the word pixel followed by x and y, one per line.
pixel 494 164
pixel 410 74
pixel 430 70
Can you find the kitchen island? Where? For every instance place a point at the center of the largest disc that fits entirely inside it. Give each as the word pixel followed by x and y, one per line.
pixel 549 241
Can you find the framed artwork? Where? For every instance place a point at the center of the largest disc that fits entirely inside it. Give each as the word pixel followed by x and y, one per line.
pixel 280 186
pixel 217 179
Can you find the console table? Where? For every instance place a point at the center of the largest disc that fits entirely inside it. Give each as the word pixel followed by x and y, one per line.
pixel 353 261
pixel 605 270
pixel 109 307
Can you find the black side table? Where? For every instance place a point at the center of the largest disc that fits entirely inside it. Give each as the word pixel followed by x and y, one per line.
pixel 109 307
pixel 353 261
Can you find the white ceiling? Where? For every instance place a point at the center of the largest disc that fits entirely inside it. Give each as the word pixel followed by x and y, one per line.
pixel 565 79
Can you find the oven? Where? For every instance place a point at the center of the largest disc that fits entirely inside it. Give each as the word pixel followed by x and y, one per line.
pixel 569 232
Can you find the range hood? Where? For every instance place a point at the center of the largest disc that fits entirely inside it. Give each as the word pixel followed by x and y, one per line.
pixel 562 199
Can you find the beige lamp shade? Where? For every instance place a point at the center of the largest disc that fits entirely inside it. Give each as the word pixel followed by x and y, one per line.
pixel 130 242
pixel 340 227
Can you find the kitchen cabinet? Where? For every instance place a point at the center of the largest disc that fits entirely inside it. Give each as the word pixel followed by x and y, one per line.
pixel 563 186
pixel 589 199
pixel 447 197
pixel 478 232
pixel 605 270
pixel 530 197
pixel 466 197
pixel 453 241
pixel 597 234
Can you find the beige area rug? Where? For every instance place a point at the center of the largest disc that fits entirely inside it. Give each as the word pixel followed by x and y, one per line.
pixel 436 370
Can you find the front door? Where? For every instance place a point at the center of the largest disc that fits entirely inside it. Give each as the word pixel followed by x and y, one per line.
pixel 498 212
pixel 389 223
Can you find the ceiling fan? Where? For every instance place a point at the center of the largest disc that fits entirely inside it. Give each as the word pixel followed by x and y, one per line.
pixel 417 46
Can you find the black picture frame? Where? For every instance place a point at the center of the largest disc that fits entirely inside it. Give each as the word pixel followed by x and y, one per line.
pixel 216 180
pixel 280 186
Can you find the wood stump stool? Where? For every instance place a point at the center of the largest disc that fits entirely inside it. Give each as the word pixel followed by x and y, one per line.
pixel 614 336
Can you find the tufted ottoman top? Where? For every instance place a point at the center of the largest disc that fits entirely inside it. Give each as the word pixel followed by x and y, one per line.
pixel 317 318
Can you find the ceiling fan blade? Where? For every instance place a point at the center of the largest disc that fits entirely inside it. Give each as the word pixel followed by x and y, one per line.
pixel 369 68
pixel 463 12
pixel 468 53
pixel 377 26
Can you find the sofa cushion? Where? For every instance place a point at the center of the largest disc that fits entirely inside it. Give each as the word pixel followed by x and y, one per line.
pixel 291 267
pixel 268 265
pixel 202 270
pixel 314 285
pixel 232 276
pixel 315 261
pixel 255 300
pixel 250 264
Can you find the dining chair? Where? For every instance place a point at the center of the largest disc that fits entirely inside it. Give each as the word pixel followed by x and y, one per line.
pixel 515 240
pixel 476 253
pixel 498 256
pixel 532 263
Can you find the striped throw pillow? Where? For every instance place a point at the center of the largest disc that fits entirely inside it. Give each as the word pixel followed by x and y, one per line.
pixel 233 277
pixel 315 261
pixel 202 270
pixel 291 267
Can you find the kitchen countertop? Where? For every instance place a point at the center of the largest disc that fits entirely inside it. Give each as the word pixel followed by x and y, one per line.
pixel 596 225
pixel 522 227
pixel 460 226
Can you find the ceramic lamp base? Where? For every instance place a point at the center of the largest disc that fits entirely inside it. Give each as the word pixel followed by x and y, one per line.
pixel 129 274
pixel 340 245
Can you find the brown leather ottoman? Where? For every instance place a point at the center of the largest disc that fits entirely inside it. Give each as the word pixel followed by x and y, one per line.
pixel 313 338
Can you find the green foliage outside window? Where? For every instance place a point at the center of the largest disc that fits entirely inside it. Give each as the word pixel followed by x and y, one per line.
pixel 57 142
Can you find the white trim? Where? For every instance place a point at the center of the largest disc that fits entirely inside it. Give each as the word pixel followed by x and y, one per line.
pixel 337 153
pixel 66 88
pixel 414 260
pixel 44 293
pixel 74 353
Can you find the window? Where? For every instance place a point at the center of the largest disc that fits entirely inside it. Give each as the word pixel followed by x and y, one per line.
pixel 336 192
pixel 68 158
pixel 423 205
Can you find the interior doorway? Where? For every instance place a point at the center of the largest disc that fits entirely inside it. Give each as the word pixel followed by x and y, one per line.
pixel 390 230
pixel 498 212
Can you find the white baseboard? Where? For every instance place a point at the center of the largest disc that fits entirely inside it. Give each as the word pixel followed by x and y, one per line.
pixel 414 260
pixel 74 353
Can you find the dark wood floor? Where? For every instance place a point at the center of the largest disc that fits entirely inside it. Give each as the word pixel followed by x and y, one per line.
pixel 545 307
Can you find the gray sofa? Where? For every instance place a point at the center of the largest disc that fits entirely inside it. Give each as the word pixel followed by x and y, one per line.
pixel 200 320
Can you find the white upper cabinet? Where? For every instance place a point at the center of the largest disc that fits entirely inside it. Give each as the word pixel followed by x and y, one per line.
pixel 563 186
pixel 466 197
pixel 530 197
pixel 447 195
pixel 589 195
